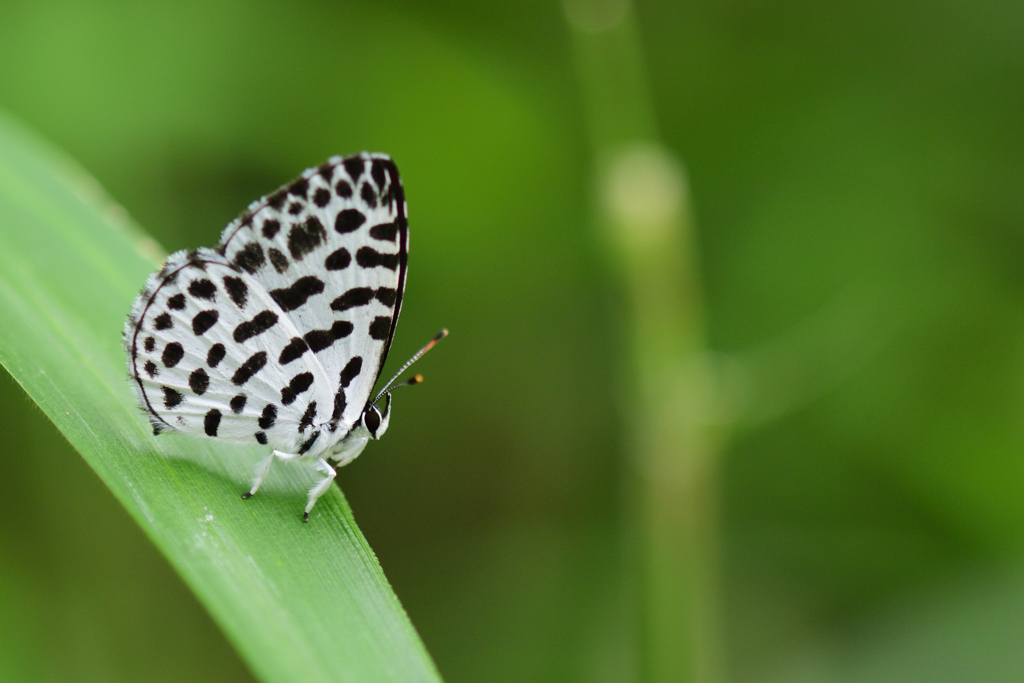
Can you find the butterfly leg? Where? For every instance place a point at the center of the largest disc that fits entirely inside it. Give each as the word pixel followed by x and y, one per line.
pixel 350 448
pixel 263 467
pixel 321 487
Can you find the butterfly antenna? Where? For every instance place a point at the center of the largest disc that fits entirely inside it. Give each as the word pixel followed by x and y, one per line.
pixel 416 379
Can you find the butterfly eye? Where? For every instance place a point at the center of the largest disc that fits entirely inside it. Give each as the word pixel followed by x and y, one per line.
pixel 371 419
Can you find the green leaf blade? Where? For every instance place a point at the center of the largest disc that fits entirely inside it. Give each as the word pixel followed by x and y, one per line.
pixel 301 602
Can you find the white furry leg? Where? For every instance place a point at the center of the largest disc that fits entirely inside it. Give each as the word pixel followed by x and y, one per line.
pixel 321 487
pixel 263 468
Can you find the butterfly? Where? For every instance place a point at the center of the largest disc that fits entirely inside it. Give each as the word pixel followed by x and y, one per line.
pixel 278 336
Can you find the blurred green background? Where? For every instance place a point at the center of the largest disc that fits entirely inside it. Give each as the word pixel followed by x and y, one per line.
pixel 857 178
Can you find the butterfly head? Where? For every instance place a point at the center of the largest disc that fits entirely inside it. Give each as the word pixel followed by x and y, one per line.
pixel 375 420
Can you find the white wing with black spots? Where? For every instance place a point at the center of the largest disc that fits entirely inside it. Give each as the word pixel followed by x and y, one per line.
pixel 331 249
pixel 208 352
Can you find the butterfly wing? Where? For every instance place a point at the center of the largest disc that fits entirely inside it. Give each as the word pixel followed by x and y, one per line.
pixel 208 355
pixel 331 249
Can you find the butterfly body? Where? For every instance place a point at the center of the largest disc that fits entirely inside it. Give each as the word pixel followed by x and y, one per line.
pixel 278 336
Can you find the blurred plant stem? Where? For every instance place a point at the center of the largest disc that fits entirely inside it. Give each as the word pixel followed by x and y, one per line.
pixel 642 200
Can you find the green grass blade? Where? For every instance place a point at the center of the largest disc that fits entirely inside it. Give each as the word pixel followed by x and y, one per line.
pixel 301 602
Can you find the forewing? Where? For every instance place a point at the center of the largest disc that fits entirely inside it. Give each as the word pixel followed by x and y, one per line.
pixel 331 249
pixel 208 354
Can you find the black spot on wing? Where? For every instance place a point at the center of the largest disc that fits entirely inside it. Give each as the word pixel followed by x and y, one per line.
pixel 357 296
pixel 249 258
pixel 149 344
pixel 343 189
pixel 348 220
pixel 237 290
pixel 278 199
pixel 338 260
pixel 371 258
pixel 298 384
pixel 238 403
pixel 263 321
pixel 261 438
pixel 293 350
pixel 387 296
pixel 215 355
pixel 211 422
pixel 380 327
pixel 250 367
pixel 318 340
pixel 172 398
pixel 176 302
pixel 172 355
pixel 199 381
pixel 151 368
pixel 308 443
pixel 300 188
pixel 163 322
pixel 377 172
pixel 268 416
pixel 278 260
pixel 322 197
pixel 307 417
pixel 271 226
pixel 204 320
pixel 295 208
pixel 339 407
pixel 354 168
pixel 326 171
pixel 369 195
pixel 305 237
pixel 203 289
pixel 351 370
pixel 386 232
pixel 290 298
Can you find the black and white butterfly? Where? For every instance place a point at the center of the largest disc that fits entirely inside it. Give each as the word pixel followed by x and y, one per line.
pixel 278 336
